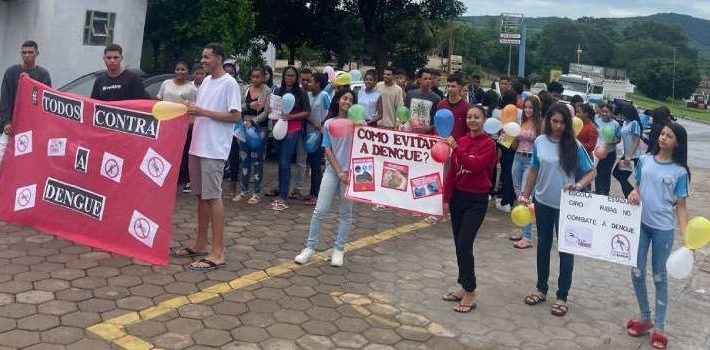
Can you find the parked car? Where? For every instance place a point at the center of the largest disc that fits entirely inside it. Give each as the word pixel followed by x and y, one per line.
pixel 83 84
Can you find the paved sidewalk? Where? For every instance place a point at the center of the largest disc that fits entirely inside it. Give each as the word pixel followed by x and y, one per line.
pixel 58 295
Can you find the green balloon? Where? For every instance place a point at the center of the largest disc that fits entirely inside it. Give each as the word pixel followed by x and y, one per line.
pixel 608 133
pixel 356 113
pixel 402 114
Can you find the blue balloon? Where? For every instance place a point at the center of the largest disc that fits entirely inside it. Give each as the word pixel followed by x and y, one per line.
pixel 526 94
pixel 239 131
pixel 253 137
pixel 287 103
pixel 312 142
pixel 355 74
pixel 645 119
pixel 492 126
pixel 444 122
pixel 595 100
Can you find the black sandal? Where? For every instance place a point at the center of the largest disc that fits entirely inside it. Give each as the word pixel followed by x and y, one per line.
pixel 211 265
pixel 535 298
pixel 189 253
pixel 464 308
pixel 559 309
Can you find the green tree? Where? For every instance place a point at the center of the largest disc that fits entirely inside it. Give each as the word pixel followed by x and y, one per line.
pixel 386 23
pixel 654 77
pixel 180 28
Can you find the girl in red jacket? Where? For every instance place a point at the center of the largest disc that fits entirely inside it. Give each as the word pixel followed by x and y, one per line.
pixel 466 193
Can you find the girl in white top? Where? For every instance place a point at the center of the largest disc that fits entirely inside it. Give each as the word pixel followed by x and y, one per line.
pixel 370 98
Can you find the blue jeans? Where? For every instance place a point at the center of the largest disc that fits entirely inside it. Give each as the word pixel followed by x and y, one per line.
pixel 247 157
pixel 521 166
pixel 547 218
pixel 328 188
pixel 286 149
pixel 661 243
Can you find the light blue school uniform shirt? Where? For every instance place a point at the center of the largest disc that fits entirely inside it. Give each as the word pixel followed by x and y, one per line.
pixel 628 132
pixel 660 186
pixel 319 107
pixel 551 178
pixel 601 124
pixel 340 146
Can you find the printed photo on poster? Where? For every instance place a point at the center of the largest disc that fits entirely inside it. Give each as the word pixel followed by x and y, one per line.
pixel 395 176
pixel 274 107
pixel 364 174
pixel 579 237
pixel 421 111
pixel 426 186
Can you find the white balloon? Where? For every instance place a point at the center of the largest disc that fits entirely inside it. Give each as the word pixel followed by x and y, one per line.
pixel 512 129
pixel 680 263
pixel 496 113
pixel 280 129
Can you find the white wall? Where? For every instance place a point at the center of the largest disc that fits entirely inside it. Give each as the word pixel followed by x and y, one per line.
pixel 58 28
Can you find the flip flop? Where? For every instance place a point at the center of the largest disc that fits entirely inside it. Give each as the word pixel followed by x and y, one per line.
pixel 464 308
pixel 212 265
pixel 188 253
pixel 450 297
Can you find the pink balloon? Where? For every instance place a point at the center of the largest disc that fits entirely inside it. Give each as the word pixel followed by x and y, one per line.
pixel 340 127
pixel 330 71
pixel 571 110
pixel 441 151
pixel 601 152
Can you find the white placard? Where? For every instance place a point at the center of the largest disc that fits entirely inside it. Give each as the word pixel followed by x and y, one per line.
pixel 599 227
pixel 274 107
pixel 395 169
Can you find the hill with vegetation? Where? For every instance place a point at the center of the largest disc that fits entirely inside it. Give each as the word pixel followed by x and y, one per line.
pixel 697 29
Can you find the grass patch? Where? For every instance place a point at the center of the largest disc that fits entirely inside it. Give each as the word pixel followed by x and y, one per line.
pixel 678 108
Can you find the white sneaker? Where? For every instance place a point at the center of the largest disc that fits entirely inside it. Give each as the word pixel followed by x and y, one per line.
pixel 503 208
pixel 337 258
pixel 305 255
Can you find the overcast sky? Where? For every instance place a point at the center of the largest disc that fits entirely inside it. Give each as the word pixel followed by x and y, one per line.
pixel 595 8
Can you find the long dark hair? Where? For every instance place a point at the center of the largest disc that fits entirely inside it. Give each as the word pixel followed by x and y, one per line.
pixel 568 143
pixel 335 102
pixel 267 68
pixel 536 117
pixel 661 116
pixel 587 108
pixel 630 114
pixel 680 151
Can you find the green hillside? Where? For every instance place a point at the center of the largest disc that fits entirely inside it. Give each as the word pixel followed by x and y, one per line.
pixel 697 29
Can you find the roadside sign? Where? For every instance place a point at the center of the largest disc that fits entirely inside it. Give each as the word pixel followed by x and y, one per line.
pixel 509 31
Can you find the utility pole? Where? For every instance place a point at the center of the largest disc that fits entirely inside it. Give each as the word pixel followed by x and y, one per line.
pixel 579 52
pixel 510 55
pixel 673 83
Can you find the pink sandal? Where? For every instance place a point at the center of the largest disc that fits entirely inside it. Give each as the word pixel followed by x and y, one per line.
pixel 637 328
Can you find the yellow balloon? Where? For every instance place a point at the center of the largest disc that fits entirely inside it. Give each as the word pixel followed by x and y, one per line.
pixel 521 216
pixel 577 125
pixel 164 110
pixel 697 234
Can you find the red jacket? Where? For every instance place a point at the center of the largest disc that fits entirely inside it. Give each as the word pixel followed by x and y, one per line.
pixel 472 163
pixel 459 110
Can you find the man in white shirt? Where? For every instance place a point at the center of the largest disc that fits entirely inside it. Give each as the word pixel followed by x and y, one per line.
pixel 217 108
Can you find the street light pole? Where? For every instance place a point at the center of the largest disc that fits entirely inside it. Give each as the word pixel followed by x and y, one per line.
pixel 579 52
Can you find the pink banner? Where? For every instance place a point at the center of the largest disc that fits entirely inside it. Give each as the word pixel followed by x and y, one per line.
pixel 103 174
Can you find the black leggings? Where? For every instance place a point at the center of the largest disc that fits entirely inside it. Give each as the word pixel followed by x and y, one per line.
pixel 602 183
pixel 623 177
pixel 467 213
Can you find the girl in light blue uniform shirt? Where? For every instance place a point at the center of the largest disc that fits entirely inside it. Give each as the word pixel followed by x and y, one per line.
pixel 603 120
pixel 662 183
pixel 631 140
pixel 559 162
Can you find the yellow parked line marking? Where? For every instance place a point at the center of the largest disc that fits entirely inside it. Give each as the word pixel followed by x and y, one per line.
pixel 113 330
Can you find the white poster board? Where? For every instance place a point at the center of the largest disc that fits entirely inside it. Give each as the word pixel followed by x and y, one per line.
pixel 274 107
pixel 599 227
pixel 395 169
